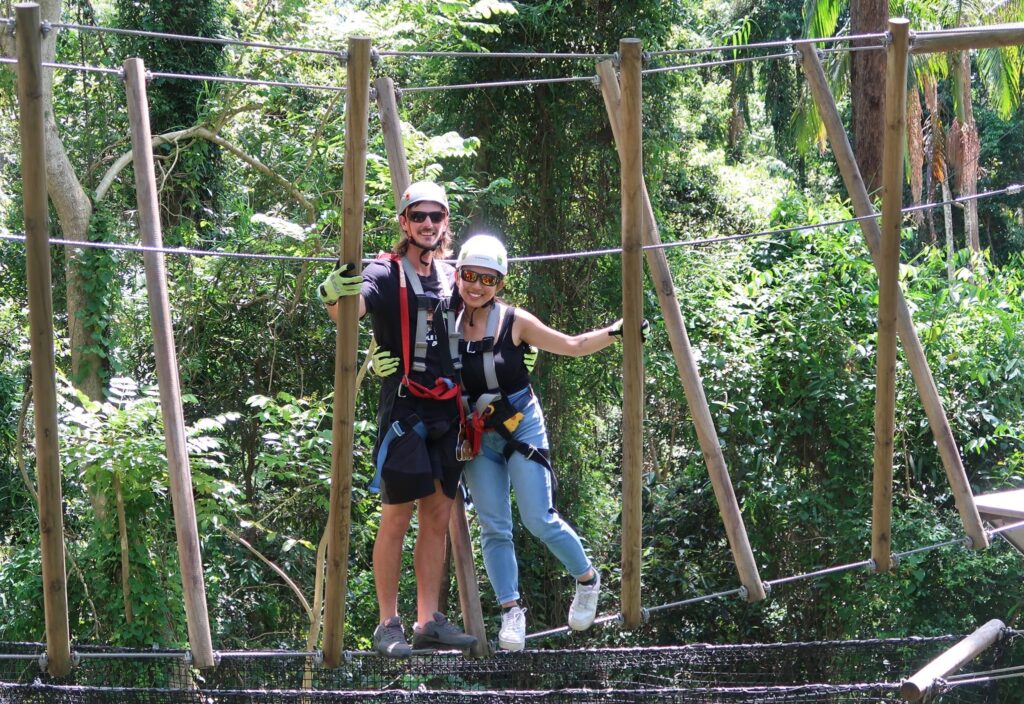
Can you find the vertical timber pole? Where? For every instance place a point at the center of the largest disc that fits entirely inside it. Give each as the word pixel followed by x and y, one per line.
pixel 632 314
pixel 912 348
pixel 888 284
pixel 458 526
pixel 357 115
pixel 40 316
pixel 178 470
pixel 689 373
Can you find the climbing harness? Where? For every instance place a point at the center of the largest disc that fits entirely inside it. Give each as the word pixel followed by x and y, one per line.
pixel 445 388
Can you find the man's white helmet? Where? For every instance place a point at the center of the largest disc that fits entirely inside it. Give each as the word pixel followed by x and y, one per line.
pixel 422 191
pixel 486 251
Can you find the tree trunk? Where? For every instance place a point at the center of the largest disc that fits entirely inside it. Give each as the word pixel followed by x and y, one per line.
pixel 970 150
pixel 74 211
pixel 947 212
pixel 867 90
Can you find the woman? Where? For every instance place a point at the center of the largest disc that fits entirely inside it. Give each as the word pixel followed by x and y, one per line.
pixel 507 435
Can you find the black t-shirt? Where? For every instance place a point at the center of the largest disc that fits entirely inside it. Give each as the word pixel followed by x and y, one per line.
pixel 381 290
pixel 508 361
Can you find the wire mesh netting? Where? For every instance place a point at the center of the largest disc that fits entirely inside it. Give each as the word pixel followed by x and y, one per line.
pixel 823 671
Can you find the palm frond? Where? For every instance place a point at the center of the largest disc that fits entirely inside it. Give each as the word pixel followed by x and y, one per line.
pixel 821 17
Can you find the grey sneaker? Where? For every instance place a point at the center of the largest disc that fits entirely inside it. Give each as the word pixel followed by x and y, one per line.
pixel 440 632
pixel 389 639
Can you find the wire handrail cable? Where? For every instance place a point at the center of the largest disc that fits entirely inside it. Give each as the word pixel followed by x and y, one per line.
pixel 194 77
pixel 720 62
pixel 222 41
pixel 1012 189
pixel 771 44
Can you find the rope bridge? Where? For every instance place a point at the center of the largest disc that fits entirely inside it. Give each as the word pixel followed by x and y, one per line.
pixel 819 671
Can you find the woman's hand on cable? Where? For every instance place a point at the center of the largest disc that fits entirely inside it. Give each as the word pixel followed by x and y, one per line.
pixel 340 282
pixel 616 329
pixel 383 363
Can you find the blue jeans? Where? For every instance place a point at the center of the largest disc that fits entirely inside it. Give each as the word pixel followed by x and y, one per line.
pixel 489 478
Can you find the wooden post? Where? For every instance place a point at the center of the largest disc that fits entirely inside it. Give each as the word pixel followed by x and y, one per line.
pixel 689 373
pixel 917 686
pixel 888 285
pixel 178 470
pixel 458 527
pixel 965 38
pixel 391 126
pixel 40 319
pixel 631 124
pixel 912 348
pixel 357 115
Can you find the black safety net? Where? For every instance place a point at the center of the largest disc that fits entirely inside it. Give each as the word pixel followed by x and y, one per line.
pixel 823 671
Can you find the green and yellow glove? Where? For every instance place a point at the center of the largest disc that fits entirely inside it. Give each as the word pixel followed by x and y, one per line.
pixel 383 363
pixel 530 358
pixel 645 329
pixel 340 283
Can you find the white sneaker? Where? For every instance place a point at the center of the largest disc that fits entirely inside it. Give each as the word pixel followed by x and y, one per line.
pixel 584 605
pixel 512 635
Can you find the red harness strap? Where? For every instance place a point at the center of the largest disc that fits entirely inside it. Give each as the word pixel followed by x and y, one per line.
pixel 443 389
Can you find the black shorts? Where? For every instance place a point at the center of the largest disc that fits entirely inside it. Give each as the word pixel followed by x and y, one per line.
pixel 413 462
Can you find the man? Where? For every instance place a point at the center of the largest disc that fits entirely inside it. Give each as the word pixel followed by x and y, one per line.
pixel 407 296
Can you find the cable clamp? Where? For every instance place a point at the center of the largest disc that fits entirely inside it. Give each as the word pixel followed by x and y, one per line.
pixel 216 658
pixel 767 589
pixel 372 93
pixel 149 77
pixel 595 81
pixel 645 58
pixel 743 593
pixel 872 566
pixel 894 559
pixel 43 661
pixel 186 656
pixel 616 61
pixel 347 655
pixel 318 658
pixel 45 27
pixel 645 615
pixel 1014 188
pixel 398 95
pixel 374 57
pixel 124 77
pixel 968 542
pixel 886 40
pixel 343 57
pixel 76 658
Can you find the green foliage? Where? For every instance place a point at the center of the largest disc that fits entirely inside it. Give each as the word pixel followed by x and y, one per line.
pixel 786 334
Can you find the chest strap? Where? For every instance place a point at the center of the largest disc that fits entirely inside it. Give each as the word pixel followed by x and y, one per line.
pixel 486 345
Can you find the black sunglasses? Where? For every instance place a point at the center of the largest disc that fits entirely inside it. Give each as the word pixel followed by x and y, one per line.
pixel 471 277
pixel 436 216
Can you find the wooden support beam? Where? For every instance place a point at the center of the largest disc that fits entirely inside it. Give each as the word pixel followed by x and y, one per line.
pixel 912 349
pixel 178 470
pixel 40 321
pixel 689 373
pixel 357 115
pixel 965 38
pixel 888 285
pixel 458 527
pixel 391 127
pixel 920 683
pixel 631 152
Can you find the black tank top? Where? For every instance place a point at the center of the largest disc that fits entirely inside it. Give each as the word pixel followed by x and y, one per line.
pixel 508 361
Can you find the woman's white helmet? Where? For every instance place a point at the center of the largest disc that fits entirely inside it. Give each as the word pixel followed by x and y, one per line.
pixel 486 251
